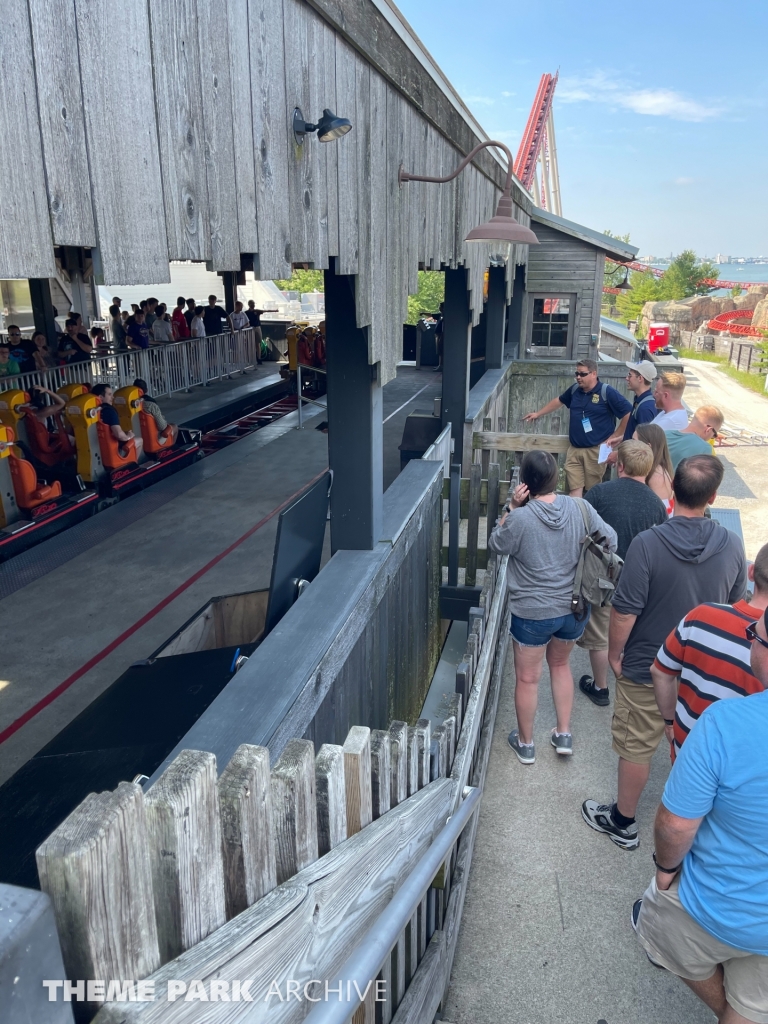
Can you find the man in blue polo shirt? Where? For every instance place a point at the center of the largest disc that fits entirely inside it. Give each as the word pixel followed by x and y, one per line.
pixel 594 409
pixel 639 381
pixel 705 915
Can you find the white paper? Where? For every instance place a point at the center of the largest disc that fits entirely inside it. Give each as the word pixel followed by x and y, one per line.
pixel 605 451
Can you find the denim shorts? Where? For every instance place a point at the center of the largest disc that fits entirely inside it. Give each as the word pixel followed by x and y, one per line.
pixel 538 632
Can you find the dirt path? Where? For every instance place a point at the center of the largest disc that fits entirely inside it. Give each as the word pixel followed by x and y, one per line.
pixel 745 485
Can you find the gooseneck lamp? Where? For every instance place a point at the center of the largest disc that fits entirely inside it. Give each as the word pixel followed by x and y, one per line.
pixel 328 128
pixel 503 227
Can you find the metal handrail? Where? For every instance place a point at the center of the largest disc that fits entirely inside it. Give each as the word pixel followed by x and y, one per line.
pixel 298 390
pixel 167 366
pixel 365 963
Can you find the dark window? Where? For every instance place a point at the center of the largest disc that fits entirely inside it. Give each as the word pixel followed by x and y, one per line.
pixel 550 322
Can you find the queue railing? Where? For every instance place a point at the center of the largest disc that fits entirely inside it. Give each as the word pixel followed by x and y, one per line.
pixel 167 368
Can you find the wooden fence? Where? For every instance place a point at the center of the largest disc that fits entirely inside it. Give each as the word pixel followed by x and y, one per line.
pixel 264 875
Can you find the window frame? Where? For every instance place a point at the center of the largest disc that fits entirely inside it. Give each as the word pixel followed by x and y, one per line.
pixel 540 353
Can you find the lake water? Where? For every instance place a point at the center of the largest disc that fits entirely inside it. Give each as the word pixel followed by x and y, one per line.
pixel 754 273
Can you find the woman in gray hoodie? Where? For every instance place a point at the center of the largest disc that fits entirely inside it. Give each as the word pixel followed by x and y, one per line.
pixel 542 532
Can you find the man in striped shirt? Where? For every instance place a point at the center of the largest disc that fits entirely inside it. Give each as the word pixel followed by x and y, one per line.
pixel 706 658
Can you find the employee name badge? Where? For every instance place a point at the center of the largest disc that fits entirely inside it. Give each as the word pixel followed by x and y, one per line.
pixel 586 426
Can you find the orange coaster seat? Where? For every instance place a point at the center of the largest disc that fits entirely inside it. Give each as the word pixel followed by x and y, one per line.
pixel 29 493
pixel 153 442
pixel 50 449
pixel 110 448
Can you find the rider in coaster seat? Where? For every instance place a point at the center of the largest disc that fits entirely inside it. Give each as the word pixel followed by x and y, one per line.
pixel 118 447
pixel 50 448
pixel 157 433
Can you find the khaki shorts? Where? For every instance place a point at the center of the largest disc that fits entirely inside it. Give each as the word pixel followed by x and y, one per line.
pixel 582 468
pixel 673 939
pixel 637 725
pixel 595 636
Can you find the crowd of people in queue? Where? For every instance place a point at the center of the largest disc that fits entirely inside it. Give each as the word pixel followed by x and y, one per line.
pixel 681 639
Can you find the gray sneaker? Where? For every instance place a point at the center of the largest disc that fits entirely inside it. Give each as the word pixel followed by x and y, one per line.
pixel 562 744
pixel 526 752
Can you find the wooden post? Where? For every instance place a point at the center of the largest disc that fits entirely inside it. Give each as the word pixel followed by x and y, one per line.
pixel 423 740
pixel 398 762
pixel 357 773
pixel 485 455
pixel 96 869
pixel 463 681
pixel 331 797
pixel 294 811
pixel 450 729
pixel 248 844
pixel 184 825
pixel 440 735
pixel 381 782
pixel 492 508
pixel 413 761
pixel 473 523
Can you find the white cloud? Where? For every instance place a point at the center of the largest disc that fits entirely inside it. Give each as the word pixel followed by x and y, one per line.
pixel 684 181
pixel 504 136
pixel 485 100
pixel 603 87
pixel 507 94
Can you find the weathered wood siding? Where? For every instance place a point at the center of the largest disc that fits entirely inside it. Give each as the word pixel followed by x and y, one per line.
pixel 561 265
pixel 173 140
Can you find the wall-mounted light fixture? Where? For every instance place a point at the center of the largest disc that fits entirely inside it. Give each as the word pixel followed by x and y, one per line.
pixel 503 228
pixel 625 286
pixel 328 128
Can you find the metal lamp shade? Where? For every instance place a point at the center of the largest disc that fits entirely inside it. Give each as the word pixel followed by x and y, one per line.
pixel 503 228
pixel 331 127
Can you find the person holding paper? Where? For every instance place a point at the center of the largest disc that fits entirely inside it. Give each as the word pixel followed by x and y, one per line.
pixel 594 409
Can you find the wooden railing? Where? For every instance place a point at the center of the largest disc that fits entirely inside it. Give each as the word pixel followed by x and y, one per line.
pixel 267 874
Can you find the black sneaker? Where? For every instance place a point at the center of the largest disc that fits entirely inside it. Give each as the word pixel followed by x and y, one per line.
pixel 598 817
pixel 597 695
pixel 633 919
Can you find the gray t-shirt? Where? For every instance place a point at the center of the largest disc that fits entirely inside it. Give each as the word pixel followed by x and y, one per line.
pixel 543 541
pixel 668 571
pixel 629 506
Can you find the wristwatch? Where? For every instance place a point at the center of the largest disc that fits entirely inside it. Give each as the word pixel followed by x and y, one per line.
pixel 507 508
pixel 669 721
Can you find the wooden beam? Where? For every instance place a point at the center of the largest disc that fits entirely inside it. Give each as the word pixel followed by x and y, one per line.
pixel 331 797
pixel 357 775
pixel 293 808
pixel 520 442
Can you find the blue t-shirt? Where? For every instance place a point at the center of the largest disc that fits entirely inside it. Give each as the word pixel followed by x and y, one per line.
pixel 643 411
pixel 139 334
pixel 592 419
pixel 721 774
pixel 109 415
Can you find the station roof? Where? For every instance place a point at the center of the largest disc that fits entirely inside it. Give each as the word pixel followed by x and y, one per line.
pixel 613 247
pixel 618 330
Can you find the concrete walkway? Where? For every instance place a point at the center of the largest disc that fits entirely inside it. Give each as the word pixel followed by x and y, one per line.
pixel 546 934
pixel 745 485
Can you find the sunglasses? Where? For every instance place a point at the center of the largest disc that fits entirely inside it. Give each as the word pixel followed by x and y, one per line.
pixel 586 373
pixel 752 634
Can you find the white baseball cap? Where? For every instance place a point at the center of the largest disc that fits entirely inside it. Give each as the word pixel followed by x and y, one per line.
pixel 646 369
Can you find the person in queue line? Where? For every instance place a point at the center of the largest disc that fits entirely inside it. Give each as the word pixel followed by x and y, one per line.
pixel 668 570
pixel 214 316
pixel 179 320
pixel 138 333
pixel 238 320
pixel 125 316
pixel 166 432
pixel 8 367
pixel 668 395
pixel 594 408
pixel 197 323
pixel 162 328
pixel 706 658
pixel 629 506
pixel 150 312
pixel 117 301
pixel 189 313
pixel 254 319
pixel 660 477
pixel 75 346
pixel 704 916
pixel 640 378
pixel 694 440
pixel 108 415
pixel 96 334
pixel 117 327
pixel 21 348
pixel 542 531
pixel 42 356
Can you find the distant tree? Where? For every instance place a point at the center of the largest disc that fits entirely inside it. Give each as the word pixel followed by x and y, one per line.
pixel 735 292
pixel 303 281
pixel 429 296
pixel 685 275
pixel 645 288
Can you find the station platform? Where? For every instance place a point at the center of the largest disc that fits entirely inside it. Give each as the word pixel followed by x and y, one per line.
pixel 80 608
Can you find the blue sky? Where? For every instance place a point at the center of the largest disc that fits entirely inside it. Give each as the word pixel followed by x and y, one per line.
pixel 661 110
